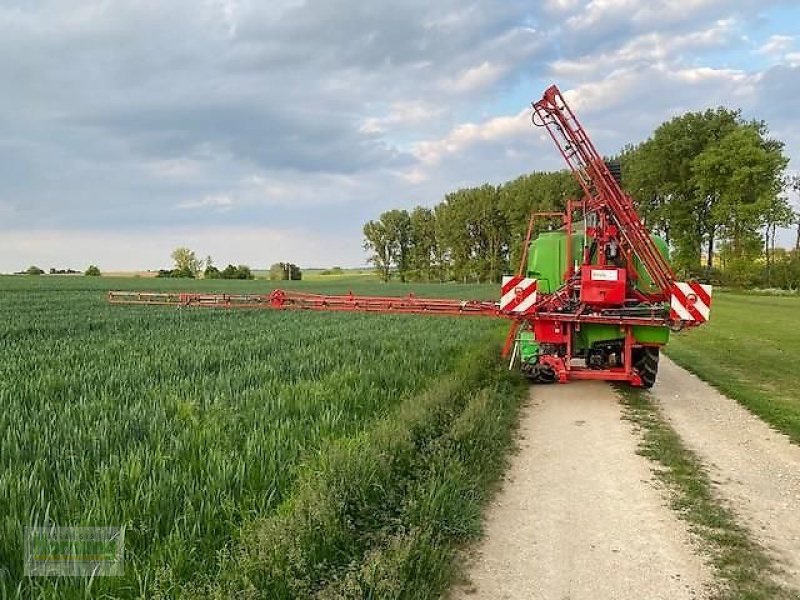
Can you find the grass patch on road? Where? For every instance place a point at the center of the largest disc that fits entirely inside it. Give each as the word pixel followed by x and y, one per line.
pixel 743 568
pixel 748 351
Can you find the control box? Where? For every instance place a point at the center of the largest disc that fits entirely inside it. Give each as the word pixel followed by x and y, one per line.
pixel 603 286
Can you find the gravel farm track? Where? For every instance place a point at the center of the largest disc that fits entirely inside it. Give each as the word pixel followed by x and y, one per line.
pixel 581 515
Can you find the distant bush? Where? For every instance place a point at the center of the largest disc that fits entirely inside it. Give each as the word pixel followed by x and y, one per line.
pixel 741 273
pixel 54 271
pixel 212 272
pixel 33 270
pixel 333 271
pixel 710 275
pixel 92 271
pixel 176 273
pixel 784 271
pixel 238 272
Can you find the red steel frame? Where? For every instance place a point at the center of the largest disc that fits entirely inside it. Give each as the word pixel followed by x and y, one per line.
pixel 615 222
pixel 287 300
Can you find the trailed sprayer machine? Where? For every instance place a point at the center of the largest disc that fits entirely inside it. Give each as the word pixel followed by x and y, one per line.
pixel 595 299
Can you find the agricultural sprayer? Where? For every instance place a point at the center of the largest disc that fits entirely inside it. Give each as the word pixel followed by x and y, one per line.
pixel 595 299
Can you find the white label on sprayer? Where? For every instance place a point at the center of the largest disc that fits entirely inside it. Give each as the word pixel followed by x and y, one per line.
pixel 605 275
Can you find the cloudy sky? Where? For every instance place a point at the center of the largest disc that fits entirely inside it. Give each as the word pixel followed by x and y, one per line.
pixel 260 131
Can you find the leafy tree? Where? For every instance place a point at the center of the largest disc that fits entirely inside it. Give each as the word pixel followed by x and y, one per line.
pixel 284 272
pixel 743 172
pixel 641 180
pixel 378 241
pixel 422 251
pixel 186 262
pixel 475 232
pixel 660 175
pixel 537 192
pixel 210 272
pixel 184 273
pixel 786 269
pixel 390 239
pixel 794 184
pixel 244 272
pixel 778 214
pixel 92 271
pixel 34 270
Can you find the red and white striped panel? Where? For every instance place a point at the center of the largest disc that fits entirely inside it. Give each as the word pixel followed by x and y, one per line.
pixel 690 301
pixel 518 294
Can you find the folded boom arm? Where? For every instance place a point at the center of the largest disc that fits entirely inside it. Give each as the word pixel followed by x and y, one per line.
pixel 602 192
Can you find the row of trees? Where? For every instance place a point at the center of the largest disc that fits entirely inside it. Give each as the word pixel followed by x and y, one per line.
pixel 711 183
pixel 91 271
pixel 474 234
pixel 188 265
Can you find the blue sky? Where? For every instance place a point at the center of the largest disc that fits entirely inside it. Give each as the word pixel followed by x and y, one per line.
pixel 257 132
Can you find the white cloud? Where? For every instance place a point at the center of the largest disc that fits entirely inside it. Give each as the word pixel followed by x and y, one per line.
pixel 175 169
pixel 780 48
pixel 466 134
pixel 402 114
pixel 219 202
pixel 654 13
pixel 597 10
pixel 562 5
pixel 776 45
pixel 648 48
pixel 705 74
pixel 229 13
pixel 475 78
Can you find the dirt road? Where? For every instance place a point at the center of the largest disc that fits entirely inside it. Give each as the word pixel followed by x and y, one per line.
pixel 756 470
pixel 578 516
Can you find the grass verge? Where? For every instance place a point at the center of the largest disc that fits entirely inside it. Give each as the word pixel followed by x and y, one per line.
pixel 744 570
pixel 748 352
pixel 382 514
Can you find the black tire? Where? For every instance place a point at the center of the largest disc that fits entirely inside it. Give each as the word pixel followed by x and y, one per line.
pixel 537 373
pixel 545 375
pixel 645 361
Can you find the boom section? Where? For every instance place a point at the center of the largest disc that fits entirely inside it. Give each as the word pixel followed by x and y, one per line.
pixel 288 300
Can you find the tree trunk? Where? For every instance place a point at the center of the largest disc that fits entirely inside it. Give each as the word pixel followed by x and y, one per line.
pixel 769 234
pixel 797 239
pixel 710 257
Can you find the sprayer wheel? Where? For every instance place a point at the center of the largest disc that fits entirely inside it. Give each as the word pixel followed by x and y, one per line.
pixel 544 375
pixel 645 361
